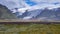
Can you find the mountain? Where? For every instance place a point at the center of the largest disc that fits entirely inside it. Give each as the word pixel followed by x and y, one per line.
pixel 5 13
pixel 49 14
pixel 44 13
pixel 58 12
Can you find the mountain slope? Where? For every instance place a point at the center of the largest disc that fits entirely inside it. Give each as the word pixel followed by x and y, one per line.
pixel 5 13
pixel 48 13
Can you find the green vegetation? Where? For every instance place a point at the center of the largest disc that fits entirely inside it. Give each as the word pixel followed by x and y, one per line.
pixel 30 29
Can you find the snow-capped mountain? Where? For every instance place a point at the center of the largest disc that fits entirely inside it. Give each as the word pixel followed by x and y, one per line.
pixel 33 9
pixel 39 13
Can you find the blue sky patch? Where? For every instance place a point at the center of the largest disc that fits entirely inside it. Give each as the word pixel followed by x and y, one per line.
pixel 31 3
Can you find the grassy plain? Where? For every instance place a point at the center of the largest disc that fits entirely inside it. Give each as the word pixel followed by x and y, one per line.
pixel 30 29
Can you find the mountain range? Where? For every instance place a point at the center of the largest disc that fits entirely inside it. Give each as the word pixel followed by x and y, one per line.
pixel 45 13
pixel 42 13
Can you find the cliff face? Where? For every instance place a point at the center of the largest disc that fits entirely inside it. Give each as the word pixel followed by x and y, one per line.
pixel 5 13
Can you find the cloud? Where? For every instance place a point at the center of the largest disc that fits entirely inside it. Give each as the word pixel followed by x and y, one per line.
pixel 11 4
pixel 49 1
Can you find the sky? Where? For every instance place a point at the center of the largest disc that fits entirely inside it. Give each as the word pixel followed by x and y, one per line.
pixel 29 4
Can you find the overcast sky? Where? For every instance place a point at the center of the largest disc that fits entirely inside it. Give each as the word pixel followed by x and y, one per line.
pixel 27 3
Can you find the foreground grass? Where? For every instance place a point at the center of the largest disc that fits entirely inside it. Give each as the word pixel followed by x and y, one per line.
pixel 30 29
